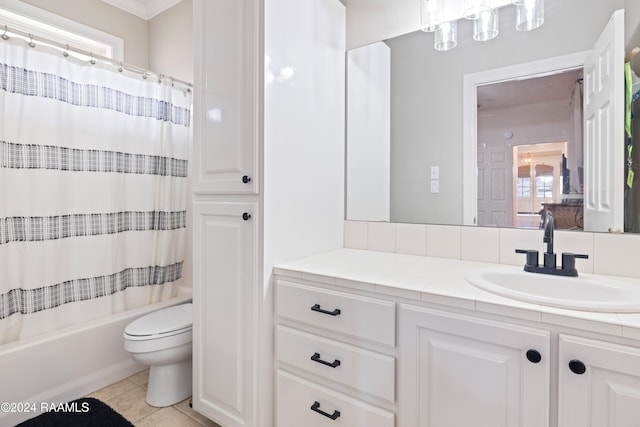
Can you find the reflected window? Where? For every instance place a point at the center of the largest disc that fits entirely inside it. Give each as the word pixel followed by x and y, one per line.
pixel 544 186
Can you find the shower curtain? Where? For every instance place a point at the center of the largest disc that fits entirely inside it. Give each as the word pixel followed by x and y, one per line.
pixel 93 189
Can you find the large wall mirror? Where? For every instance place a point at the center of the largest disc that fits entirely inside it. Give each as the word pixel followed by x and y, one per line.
pixel 409 155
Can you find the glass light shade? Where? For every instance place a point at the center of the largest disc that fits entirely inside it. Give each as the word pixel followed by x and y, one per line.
pixel 529 15
pixel 486 26
pixel 473 8
pixel 430 15
pixel 446 36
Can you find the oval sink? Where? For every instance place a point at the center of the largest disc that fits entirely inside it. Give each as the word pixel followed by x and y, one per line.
pixel 585 292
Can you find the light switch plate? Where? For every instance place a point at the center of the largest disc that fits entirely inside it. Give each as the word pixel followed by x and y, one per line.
pixel 435 186
pixel 435 172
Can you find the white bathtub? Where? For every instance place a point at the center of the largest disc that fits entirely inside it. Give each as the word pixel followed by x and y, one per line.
pixel 67 364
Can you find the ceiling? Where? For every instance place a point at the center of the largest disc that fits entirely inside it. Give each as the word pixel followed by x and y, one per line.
pixel 145 9
pixel 556 87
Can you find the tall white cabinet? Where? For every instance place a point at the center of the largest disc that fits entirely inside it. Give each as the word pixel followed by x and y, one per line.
pixel 267 173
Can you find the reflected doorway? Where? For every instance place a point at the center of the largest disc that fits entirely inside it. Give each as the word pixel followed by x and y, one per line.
pixel 530 151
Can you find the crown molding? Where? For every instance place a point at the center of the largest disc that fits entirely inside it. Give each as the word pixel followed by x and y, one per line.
pixel 145 9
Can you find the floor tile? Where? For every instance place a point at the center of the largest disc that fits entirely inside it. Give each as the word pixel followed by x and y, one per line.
pixel 114 390
pixel 190 412
pixel 167 417
pixel 132 405
pixel 141 378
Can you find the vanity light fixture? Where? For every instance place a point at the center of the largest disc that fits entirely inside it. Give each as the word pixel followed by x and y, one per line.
pixel 446 36
pixel 529 14
pixel 473 8
pixel 431 15
pixel 444 22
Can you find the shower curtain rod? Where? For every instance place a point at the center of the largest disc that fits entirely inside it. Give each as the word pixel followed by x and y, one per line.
pixel 65 48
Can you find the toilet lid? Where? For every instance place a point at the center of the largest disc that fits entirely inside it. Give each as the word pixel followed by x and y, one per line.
pixel 165 321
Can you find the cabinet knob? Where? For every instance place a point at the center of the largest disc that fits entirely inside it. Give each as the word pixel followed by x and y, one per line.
pixel 534 356
pixel 316 408
pixel 246 216
pixel 577 367
pixel 246 179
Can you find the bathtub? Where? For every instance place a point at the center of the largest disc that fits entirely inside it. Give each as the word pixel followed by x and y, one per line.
pixel 28 384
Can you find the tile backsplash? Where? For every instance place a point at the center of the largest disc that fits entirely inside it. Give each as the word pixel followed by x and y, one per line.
pixel 612 254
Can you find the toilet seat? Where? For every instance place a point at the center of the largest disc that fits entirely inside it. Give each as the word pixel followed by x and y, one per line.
pixel 162 323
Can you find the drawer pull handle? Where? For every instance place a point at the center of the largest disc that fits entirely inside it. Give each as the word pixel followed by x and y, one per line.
pixel 316 358
pixel 316 408
pixel 316 307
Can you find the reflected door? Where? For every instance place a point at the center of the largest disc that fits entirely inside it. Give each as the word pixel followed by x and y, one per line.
pixel 495 194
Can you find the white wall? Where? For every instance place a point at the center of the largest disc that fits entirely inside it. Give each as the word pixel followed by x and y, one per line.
pixel 304 108
pixel 368 132
pixel 426 101
pixel 104 17
pixel 171 40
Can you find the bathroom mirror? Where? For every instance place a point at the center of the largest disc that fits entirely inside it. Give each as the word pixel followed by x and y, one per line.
pixel 419 134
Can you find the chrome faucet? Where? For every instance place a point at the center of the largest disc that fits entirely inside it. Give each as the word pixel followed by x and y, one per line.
pixel 549 262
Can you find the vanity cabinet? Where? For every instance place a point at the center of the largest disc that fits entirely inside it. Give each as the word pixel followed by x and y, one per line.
pixel 599 383
pixel 335 357
pixel 457 370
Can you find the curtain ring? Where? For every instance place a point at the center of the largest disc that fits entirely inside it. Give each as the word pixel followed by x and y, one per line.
pixel 66 52
pixel 31 43
pixel 4 35
pixel 92 61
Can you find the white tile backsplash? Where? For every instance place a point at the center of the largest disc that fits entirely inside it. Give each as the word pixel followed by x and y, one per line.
pixel 578 243
pixel 355 234
pixel 616 254
pixel 610 254
pixel 480 244
pixel 515 238
pixel 443 241
pixel 411 239
pixel 382 236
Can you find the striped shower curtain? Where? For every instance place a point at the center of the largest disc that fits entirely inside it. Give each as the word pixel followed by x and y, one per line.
pixel 93 190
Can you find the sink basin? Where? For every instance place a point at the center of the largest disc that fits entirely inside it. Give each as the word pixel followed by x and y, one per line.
pixel 586 292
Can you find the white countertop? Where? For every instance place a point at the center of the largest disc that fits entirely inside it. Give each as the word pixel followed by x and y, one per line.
pixel 442 281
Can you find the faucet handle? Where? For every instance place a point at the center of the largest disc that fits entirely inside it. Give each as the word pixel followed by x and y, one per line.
pixel 569 261
pixel 532 257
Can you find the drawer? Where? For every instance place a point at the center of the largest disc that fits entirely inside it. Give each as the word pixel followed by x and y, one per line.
pixel 303 403
pixel 344 364
pixel 361 317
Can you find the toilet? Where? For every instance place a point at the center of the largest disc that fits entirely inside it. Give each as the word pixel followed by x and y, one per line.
pixel 162 340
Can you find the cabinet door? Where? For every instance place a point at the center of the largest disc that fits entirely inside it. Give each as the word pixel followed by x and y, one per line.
pixel 226 96
pixel 225 302
pixel 457 371
pixel 599 384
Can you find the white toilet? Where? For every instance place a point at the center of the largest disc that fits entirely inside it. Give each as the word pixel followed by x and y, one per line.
pixel 162 340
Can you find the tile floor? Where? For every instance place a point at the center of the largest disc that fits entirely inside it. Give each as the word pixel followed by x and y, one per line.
pixel 127 397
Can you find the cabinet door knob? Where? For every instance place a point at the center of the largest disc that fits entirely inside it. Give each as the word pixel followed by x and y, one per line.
pixel 316 358
pixel 316 307
pixel 577 367
pixel 534 356
pixel 246 179
pixel 316 408
pixel 246 216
